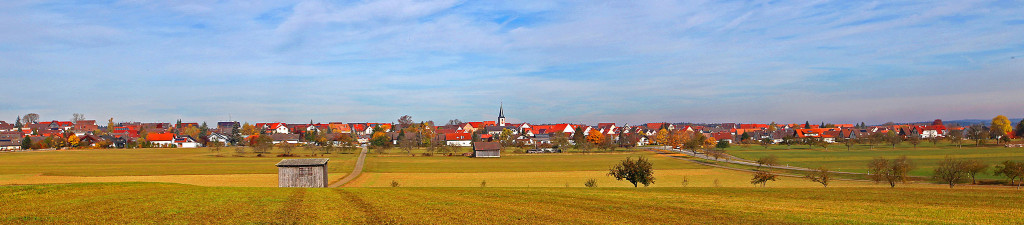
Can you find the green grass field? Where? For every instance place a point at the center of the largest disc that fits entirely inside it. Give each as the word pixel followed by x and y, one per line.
pixel 926 156
pixel 117 203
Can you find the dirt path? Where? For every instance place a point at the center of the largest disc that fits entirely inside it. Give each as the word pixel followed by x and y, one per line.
pixel 355 171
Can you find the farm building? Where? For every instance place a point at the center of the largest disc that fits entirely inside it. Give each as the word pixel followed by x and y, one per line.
pixel 487 149
pixel 302 173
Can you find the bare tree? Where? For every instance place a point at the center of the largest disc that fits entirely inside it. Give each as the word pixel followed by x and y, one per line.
pixel 768 161
pixel 454 122
pixel 822 175
pixel 405 122
pixel 894 171
pixel 974 167
pixel 893 139
pixel 849 143
pixel 950 171
pixel 914 140
pixel 956 137
pixel 77 117
pixel 1011 170
pixel 765 142
pixel 31 118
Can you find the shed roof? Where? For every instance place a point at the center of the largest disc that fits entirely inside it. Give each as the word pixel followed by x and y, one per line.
pixel 485 146
pixel 302 162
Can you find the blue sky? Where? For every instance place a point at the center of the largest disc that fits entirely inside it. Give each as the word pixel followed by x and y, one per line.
pixel 548 61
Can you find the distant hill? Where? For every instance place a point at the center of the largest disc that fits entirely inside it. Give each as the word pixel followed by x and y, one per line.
pixel 968 122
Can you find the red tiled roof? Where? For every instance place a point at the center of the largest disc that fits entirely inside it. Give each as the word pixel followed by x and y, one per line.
pixel 160 137
pixel 458 136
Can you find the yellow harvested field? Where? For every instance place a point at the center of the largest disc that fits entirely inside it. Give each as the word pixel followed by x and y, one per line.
pixel 224 180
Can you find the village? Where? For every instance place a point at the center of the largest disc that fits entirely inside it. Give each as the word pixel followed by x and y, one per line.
pixel 27 134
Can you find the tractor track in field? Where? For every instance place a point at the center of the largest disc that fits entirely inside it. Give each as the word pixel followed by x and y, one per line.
pixel 292 211
pixel 373 214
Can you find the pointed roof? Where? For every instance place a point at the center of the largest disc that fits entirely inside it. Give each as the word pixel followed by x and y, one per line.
pixel 501 110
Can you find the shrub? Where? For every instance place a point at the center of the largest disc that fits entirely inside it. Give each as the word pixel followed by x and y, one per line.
pixel 483 183
pixel 590 183
pixel 394 183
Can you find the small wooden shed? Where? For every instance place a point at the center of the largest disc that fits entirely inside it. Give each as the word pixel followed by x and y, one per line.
pixel 486 149
pixel 302 173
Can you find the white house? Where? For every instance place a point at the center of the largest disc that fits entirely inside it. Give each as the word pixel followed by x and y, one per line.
pixel 186 142
pixel 217 137
pixel 458 139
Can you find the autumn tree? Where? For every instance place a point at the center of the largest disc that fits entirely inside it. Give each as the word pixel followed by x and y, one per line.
pixel 950 171
pixel 191 131
pixel 762 177
pixel 661 137
pixel 1000 127
pixel 640 171
pixel 891 171
pixel 249 130
pixel 73 140
pixel 379 139
pixel 595 137
pixel 821 175
pixel 772 127
pixel 110 125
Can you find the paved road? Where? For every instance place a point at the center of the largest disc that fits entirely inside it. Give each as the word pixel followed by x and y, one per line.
pixel 355 171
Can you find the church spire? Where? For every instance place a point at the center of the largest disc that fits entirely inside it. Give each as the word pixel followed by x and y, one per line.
pixel 501 114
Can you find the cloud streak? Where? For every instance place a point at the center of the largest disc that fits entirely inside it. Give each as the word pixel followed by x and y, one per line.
pixel 549 61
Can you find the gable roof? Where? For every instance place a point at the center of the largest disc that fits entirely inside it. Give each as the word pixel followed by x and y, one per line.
pixel 160 137
pixel 302 162
pixel 486 146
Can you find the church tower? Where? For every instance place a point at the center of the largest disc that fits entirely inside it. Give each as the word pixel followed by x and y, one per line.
pixel 501 115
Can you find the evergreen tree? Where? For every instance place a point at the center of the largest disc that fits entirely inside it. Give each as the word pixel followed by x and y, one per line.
pixel 807 124
pixel 204 130
pixel 236 136
pixel 17 123
pixel 822 125
pixel 26 143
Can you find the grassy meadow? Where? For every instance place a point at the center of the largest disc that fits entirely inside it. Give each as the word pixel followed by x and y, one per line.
pixel 926 156
pixel 117 203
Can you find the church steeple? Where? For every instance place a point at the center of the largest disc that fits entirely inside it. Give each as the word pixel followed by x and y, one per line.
pixel 501 114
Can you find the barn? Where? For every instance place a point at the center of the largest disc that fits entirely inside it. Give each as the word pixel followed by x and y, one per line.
pixel 486 149
pixel 302 173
